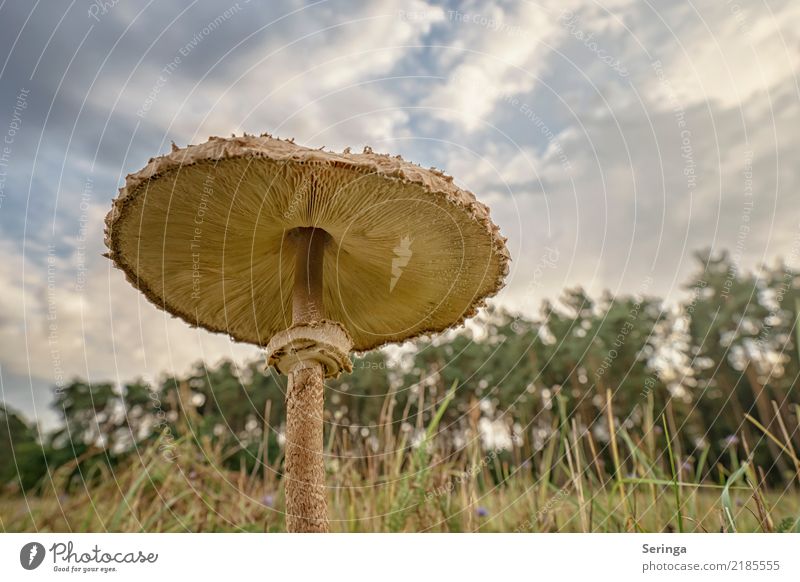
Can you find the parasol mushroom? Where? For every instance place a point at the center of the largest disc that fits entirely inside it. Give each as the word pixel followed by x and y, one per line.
pixel 310 254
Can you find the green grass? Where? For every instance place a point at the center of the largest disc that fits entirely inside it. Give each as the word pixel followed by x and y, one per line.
pixel 571 483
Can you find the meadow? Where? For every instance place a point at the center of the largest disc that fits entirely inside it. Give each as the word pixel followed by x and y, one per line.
pixel 429 487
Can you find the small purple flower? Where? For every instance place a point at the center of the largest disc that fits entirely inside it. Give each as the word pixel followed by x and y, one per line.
pixel 268 500
pixel 481 511
pixel 731 440
pixel 192 475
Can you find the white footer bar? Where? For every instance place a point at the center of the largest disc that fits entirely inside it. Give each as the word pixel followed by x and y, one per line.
pixel 401 557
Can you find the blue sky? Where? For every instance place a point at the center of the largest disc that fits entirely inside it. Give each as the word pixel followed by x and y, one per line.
pixel 610 139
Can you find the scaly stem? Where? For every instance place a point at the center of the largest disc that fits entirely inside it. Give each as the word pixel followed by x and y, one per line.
pixel 306 503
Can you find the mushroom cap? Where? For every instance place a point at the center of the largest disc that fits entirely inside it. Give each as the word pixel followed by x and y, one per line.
pixel 202 232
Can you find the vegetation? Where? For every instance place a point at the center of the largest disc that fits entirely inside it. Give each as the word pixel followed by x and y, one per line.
pixel 615 414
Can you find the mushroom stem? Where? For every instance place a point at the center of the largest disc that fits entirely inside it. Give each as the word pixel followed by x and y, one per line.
pixel 307 295
pixel 306 503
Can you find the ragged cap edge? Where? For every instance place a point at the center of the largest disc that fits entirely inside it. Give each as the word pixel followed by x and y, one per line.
pixel 217 149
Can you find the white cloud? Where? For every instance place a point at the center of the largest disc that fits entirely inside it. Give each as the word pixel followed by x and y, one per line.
pixel 625 208
pixel 728 52
pixel 298 77
pixel 502 52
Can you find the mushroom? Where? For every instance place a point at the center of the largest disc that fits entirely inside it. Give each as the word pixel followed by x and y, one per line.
pixel 309 254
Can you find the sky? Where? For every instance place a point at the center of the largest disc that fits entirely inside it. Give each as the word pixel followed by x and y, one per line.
pixel 611 141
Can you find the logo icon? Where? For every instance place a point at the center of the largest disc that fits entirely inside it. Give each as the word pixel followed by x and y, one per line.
pixel 31 555
pixel 402 254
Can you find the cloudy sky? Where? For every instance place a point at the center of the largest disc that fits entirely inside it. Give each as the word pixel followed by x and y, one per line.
pixel 610 139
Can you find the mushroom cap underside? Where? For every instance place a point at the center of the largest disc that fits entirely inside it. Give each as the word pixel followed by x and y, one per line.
pixel 203 233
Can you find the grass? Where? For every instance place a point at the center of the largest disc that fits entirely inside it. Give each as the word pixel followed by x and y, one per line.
pixel 398 484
